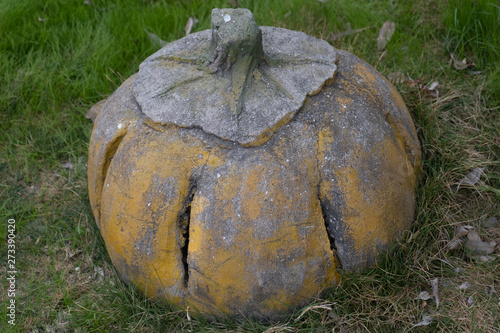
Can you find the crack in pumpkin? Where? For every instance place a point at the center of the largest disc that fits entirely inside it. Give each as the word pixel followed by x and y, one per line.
pixel 184 225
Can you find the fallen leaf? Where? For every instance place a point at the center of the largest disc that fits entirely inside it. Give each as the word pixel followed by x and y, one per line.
pixel 189 25
pixel 486 258
pixel 425 296
pixel 434 284
pixel 472 177
pixel 98 274
pixel 492 222
pixel 460 64
pixel 428 90
pixel 348 32
pixel 426 321
pixel 41 19
pixel 477 246
pixel 455 244
pixel 68 165
pixel 95 110
pixel 155 40
pixel 396 77
pixel 333 315
pixel 88 3
pixel 491 291
pixel 432 89
pixel 385 35
pixel 463 230
pixel 70 254
pixel 464 286
pixel 233 3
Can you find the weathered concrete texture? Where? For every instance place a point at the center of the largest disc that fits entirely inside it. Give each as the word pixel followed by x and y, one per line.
pixel 111 124
pixel 199 81
pixel 205 222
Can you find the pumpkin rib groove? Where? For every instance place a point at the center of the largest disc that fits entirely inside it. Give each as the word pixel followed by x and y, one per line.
pixel 109 154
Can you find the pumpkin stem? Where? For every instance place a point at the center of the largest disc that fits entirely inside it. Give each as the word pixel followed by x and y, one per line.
pixel 235 35
pixel 237 48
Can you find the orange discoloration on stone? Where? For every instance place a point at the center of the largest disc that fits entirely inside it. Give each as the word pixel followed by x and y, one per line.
pixel 325 139
pixel 256 227
pixel 140 216
pixel 365 72
pixel 375 212
pixel 344 102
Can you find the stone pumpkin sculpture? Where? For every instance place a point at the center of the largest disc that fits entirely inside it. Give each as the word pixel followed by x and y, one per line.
pixel 242 167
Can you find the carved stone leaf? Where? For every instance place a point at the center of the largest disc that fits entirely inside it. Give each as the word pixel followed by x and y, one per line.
pixel 175 86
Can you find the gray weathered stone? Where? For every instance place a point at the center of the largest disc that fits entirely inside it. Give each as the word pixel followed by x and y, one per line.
pixel 193 215
pixel 197 81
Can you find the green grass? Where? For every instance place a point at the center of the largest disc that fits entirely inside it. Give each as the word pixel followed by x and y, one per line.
pixel 474 30
pixel 58 58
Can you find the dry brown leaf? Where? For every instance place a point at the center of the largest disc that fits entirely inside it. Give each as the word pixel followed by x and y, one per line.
pixel 426 320
pixel 471 178
pixel 189 25
pixel 98 274
pixel 233 3
pixel 397 77
pixel 385 35
pixel 486 258
pixel 477 246
pixel 460 64
pixel 434 284
pixel 463 230
pixel 464 286
pixel 492 222
pixel 432 89
pixel 490 290
pixel 95 110
pixel 455 244
pixel 155 40
pixel 348 32
pixel 68 165
pixel 333 315
pixel 425 296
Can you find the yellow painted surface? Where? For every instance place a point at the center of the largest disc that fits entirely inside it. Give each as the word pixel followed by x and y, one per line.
pixel 225 274
pixel 257 237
